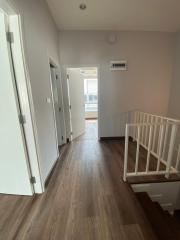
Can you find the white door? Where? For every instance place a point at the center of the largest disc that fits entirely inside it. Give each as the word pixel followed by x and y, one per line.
pixel 61 105
pixel 76 100
pixel 57 107
pixel 14 165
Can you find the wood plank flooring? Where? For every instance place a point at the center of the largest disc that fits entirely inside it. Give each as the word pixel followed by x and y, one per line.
pixel 85 199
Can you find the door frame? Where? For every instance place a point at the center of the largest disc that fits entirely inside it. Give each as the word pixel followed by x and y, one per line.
pixel 62 123
pixel 66 67
pixel 24 93
pixel 52 62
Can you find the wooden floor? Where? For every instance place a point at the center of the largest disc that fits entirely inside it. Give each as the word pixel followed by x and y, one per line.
pixel 85 199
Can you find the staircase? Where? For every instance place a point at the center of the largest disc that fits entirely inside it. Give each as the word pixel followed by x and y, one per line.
pixel 152 167
pixel 165 226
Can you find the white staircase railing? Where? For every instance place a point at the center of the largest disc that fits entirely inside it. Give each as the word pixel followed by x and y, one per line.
pixel 160 137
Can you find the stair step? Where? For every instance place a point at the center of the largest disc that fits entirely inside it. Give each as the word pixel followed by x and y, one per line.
pixel 167 213
pixel 158 206
pixel 171 220
pixel 159 220
pixel 177 215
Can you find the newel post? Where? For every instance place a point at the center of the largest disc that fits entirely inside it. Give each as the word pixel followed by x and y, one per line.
pixel 171 149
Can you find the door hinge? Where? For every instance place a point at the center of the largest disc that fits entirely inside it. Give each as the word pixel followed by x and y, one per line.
pixel 10 37
pixel 57 77
pixel 22 119
pixel 59 109
pixel 67 76
pixel 33 180
pixel 62 138
pixel 71 133
pixel 69 106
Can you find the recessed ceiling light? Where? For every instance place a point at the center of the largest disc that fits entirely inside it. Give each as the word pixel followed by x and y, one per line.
pixel 82 6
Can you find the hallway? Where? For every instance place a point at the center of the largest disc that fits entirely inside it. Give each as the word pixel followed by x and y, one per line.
pixel 85 199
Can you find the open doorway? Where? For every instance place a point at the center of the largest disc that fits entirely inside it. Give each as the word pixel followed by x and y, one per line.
pixel 90 76
pixel 82 85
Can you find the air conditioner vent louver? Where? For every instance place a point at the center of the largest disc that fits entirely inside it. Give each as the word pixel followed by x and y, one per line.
pixel 118 65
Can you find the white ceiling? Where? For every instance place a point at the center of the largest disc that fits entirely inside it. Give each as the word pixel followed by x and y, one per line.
pixel 147 15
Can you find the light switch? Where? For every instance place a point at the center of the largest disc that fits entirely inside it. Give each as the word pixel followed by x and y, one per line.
pixel 48 100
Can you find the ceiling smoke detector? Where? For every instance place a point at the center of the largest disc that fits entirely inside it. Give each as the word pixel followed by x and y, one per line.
pixel 112 38
pixel 82 6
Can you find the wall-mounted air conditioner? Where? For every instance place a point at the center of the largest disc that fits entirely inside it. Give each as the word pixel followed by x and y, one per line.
pixel 119 65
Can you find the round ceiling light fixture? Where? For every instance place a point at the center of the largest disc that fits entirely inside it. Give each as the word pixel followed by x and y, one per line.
pixel 82 6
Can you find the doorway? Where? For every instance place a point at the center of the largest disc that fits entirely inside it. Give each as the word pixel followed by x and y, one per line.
pixel 57 99
pixel 82 86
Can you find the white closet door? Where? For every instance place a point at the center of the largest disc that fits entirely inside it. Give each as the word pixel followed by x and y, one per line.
pixel 14 166
pixel 77 109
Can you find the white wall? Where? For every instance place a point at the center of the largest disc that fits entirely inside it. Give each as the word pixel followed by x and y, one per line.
pixel 41 42
pixel 146 84
pixel 174 109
